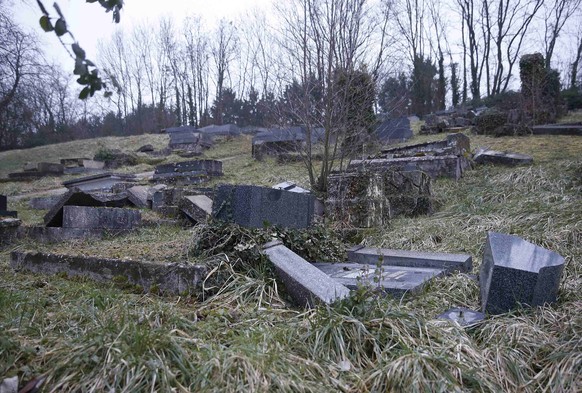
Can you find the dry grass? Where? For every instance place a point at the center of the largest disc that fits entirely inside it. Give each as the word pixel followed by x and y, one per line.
pixel 84 336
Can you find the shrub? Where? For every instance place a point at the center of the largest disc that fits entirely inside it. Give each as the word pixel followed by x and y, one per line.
pixel 489 121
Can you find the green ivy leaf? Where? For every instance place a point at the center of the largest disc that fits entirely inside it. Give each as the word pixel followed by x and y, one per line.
pixel 60 27
pixel 78 51
pixel 45 23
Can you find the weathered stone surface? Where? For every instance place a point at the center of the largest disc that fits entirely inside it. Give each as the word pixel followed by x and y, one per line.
pixel 502 158
pixel 43 203
pixel 4 212
pixel 435 166
pixel 9 230
pixel 305 283
pixel 197 207
pixel 3 202
pixel 290 186
pixel 253 207
pixel 462 316
pixel 393 280
pixel 93 164
pixel 49 167
pixel 447 262
pixel 371 199
pixel 75 197
pixel 558 129
pixel 86 217
pixel 138 195
pixel 210 167
pixel 394 130
pixel 515 272
pixel 102 182
pixel 171 278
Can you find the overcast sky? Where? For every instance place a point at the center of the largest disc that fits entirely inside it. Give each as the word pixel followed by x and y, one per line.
pixel 89 22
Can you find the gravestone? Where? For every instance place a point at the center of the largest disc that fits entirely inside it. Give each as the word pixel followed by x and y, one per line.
pixel 254 207
pixel 515 272
pixel 484 156
pixel 394 130
pixel 85 217
pixel 304 282
pixel 196 207
pixel 49 167
pixel 43 203
pixel 447 262
pixel 4 212
pixel 102 181
pixel 392 280
pixel 138 195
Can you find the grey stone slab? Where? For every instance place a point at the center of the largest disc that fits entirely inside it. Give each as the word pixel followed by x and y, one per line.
pixel 394 130
pixel 101 182
pixel 515 272
pixel 43 203
pixel 196 207
pixel 502 158
pixel 86 217
pixel 72 162
pixel 3 202
pixel 172 278
pixel 76 197
pixel 447 262
pixel 9 230
pixel 305 283
pixel 462 316
pixel 558 129
pixel 138 195
pixel 292 187
pixel 449 166
pixel 254 207
pixel 93 164
pixel 49 167
pixel 393 280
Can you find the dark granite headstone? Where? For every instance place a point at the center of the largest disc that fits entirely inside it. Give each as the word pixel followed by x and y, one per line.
pixel 394 130
pixel 304 282
pixel 4 208
pixel 3 202
pixel 254 207
pixel 85 217
pixel 515 272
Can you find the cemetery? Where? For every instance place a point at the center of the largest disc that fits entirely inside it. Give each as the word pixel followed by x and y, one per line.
pixel 456 233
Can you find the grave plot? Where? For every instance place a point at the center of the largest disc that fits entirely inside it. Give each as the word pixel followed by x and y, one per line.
pixel 515 272
pixel 188 172
pixel 255 207
pixel 101 182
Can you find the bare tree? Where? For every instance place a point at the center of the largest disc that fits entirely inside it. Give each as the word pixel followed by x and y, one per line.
pixel 556 14
pixel 223 52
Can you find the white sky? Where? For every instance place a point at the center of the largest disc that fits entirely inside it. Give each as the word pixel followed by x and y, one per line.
pixel 90 24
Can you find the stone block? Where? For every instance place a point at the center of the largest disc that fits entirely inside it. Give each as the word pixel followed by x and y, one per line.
pixel 501 158
pixel 516 272
pixel 138 195
pixel 43 203
pixel 100 182
pixel 449 166
pixel 253 206
pixel 306 284
pixel 93 164
pixel 447 262
pixel 172 278
pixel 558 129
pixel 196 207
pixel 392 280
pixel 86 217
pixel 49 167
pixel 9 230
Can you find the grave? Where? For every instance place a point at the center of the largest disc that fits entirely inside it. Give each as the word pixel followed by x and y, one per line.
pixel 558 129
pixel 4 212
pixel 447 262
pixel 102 182
pixel 172 278
pixel 455 144
pixel 485 156
pixel 306 284
pixel 254 207
pixel 196 207
pixel 319 207
pixel 448 166
pixel 9 230
pixel 371 199
pixel 516 272
pixel 87 217
pixel 43 203
pixel 76 197
pixel 392 280
pixel 138 195
pixel 188 172
pixel 394 130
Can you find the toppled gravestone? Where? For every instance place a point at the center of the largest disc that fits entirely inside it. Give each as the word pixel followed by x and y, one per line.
pixel 173 278
pixel 43 203
pixel 485 156
pixel 86 217
pixel 196 207
pixel 306 284
pixel 255 207
pixel 4 212
pixel 103 181
pixel 76 197
pixel 9 230
pixel 371 199
pixel 138 195
pixel 188 172
pixel 516 272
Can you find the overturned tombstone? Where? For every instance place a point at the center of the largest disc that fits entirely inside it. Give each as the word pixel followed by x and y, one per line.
pixel 138 195
pixel 43 203
pixel 76 197
pixel 86 217
pixel 188 172
pixel 172 278
pixel 102 182
pixel 196 207
pixel 371 199
pixel 486 156
pixel 305 283
pixel 4 212
pixel 319 207
pixel 516 272
pixel 255 207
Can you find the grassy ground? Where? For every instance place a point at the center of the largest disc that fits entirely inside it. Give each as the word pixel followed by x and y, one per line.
pixel 84 336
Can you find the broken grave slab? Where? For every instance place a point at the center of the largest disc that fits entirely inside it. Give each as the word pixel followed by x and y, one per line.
pixel 196 207
pixel 558 129
pixel 102 181
pixel 43 203
pixel 254 207
pixel 393 280
pixel 173 278
pixel 76 197
pixel 484 156
pixel 444 261
pixel 515 272
pixel 138 195
pixel 305 283
pixel 9 230
pixel 4 212
pixel 86 217
pixel 449 166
